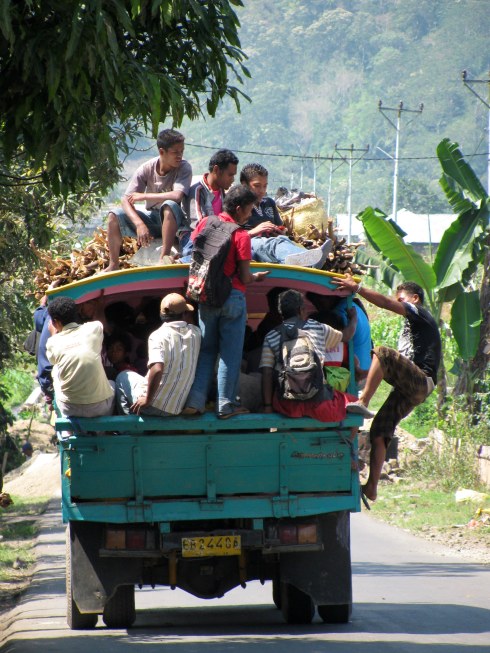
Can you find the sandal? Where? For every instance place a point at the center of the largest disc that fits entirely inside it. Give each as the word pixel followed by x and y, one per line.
pixel 237 410
pixel 364 499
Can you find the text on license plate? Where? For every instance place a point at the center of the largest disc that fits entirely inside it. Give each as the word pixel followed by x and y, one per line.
pixel 213 545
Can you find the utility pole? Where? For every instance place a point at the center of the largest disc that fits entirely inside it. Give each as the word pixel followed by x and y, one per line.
pixel 468 83
pixel 349 159
pixel 397 125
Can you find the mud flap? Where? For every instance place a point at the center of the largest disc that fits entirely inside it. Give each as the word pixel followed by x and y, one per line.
pixel 95 579
pixel 325 575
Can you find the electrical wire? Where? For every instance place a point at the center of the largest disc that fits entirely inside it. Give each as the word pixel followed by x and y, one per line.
pixel 327 158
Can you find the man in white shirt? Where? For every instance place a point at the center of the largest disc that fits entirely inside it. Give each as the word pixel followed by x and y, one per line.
pixel 173 350
pixel 80 384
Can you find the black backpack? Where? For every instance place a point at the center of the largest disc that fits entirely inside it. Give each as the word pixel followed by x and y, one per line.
pixel 301 375
pixel 207 281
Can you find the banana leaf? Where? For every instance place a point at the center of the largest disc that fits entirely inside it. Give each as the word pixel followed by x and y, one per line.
pixel 379 269
pixel 455 168
pixel 402 255
pixel 465 323
pixel 461 248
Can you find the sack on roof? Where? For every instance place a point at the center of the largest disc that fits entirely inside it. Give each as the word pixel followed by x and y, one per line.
pixel 207 281
pixel 300 376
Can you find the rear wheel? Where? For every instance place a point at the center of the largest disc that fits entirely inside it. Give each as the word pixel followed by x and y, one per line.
pixel 119 611
pixel 76 620
pixel 296 606
pixel 276 593
pixel 335 614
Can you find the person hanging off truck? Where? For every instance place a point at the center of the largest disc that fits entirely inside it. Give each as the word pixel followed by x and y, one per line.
pixel 412 370
pixel 161 182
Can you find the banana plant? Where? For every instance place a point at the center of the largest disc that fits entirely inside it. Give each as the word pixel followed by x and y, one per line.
pixel 461 252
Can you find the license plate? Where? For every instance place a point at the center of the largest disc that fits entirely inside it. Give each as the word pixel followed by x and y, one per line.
pixel 214 545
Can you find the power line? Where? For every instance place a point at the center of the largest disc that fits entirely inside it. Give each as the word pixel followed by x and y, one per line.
pixel 318 157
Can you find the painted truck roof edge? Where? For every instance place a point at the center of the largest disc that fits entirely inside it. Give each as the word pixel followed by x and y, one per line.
pixel 170 277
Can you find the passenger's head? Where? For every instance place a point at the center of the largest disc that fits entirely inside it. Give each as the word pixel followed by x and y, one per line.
pixel 410 292
pixel 272 299
pixel 63 309
pixel 290 304
pixel 255 176
pixel 170 145
pixel 120 315
pixel 223 168
pixel 332 319
pixel 173 306
pixel 90 310
pixel 118 347
pixel 239 202
pixel 322 302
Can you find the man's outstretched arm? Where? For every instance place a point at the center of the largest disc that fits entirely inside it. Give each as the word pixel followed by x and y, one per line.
pixel 372 296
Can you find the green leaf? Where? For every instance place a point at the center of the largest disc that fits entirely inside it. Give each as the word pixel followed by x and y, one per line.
pixel 465 323
pixel 5 21
pixel 454 166
pixel 456 250
pixel 53 76
pixel 379 269
pixel 402 255
pixel 76 31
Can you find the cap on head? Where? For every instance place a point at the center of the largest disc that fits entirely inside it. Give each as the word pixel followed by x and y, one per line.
pixel 174 304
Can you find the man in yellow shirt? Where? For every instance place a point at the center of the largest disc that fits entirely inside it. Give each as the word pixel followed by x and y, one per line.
pixel 80 384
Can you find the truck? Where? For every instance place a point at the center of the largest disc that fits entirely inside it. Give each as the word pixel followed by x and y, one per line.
pixel 203 504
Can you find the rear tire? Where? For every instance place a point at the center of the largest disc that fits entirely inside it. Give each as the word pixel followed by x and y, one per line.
pixel 296 606
pixel 119 611
pixel 276 593
pixel 335 614
pixel 75 619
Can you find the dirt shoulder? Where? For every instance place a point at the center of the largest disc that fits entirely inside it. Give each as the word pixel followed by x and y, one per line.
pixel 29 487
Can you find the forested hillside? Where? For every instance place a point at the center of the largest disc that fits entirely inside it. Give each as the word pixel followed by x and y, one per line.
pixel 318 69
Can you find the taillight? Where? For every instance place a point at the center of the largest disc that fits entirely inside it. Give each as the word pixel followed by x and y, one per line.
pixel 136 539
pixel 288 534
pixel 115 538
pixel 131 539
pixel 307 534
pixel 297 534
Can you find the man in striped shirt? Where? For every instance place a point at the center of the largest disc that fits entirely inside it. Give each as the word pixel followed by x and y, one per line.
pixel 292 309
pixel 173 350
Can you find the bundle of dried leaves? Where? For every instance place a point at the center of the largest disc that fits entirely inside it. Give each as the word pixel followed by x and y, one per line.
pixel 56 272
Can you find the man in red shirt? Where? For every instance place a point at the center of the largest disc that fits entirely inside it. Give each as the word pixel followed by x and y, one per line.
pixel 223 328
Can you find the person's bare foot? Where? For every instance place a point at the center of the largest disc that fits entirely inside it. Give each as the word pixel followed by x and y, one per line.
pixel 112 267
pixel 369 492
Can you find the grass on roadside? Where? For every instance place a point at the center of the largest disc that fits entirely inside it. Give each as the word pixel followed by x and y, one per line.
pixel 417 508
pixel 433 514
pixel 18 530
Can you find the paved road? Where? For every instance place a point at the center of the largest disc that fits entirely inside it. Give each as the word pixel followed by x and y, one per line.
pixel 409 597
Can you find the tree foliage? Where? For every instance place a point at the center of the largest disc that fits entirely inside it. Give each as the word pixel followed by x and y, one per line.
pixel 72 72
pixel 78 83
